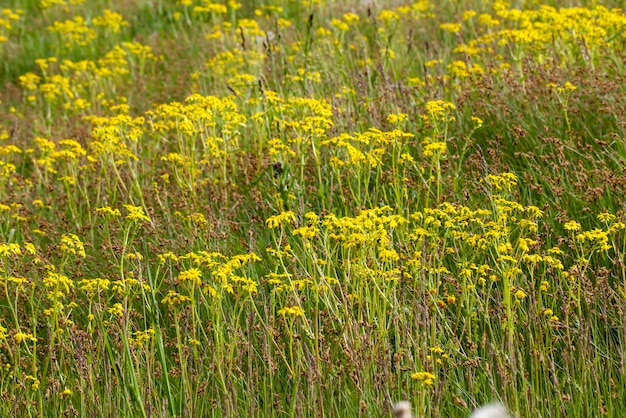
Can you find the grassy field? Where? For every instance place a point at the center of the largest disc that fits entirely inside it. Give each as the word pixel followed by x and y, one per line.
pixel 312 207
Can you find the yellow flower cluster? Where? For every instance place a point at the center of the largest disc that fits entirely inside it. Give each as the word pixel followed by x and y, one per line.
pixel 426 377
pixel 535 31
pixel 8 18
pixel 136 214
pixel 75 86
pixel 74 32
pixel 291 311
pixel 71 244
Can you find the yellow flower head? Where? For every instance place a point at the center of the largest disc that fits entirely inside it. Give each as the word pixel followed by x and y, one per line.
pixel 291 311
pixel 136 214
pixel 425 377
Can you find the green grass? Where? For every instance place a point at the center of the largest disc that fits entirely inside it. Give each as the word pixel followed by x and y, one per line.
pixel 312 209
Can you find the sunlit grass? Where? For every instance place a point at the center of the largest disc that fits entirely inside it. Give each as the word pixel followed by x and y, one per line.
pixel 311 208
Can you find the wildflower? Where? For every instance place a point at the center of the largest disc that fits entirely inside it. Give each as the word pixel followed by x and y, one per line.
pixel 451 27
pixel 436 350
pixel 555 250
pixel 388 255
pixel 10 249
pixel 193 275
pixel 503 181
pixel 136 214
pixel 74 32
pixel 572 226
pixel 394 118
pixel 569 86
pixel 35 382
pixel 435 149
pixel 116 310
pixel 141 337
pixel 93 286
pixel 20 337
pixel 606 217
pixel 291 310
pixel 111 20
pixel 439 109
pixel 134 256
pixel 284 217
pixel 468 15
pixel 172 298
pixel 71 244
pixel 108 211
pixel 209 290
pixel 58 282
pixel 425 377
pixel 307 232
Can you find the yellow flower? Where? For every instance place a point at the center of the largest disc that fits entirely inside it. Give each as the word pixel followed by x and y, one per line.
pixel 394 118
pixel 74 32
pixel 426 377
pixel 606 217
pixel 451 27
pixel 468 14
pixel 284 217
pixel 291 310
pixel 111 20
pixel 71 244
pixel 569 86
pixel 36 382
pixel 20 337
pixel 435 149
pixel 141 337
pixel 503 181
pixel 172 298
pixel 10 249
pixel 387 255
pixel 572 226
pixel 136 214
pixel 439 109
pixel 108 211
pixel 307 232
pixel 93 286
pixel 193 275
pixel 116 310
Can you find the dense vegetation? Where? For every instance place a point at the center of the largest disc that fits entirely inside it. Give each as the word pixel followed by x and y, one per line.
pixel 311 207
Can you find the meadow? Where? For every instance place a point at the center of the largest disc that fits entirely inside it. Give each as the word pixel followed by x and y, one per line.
pixel 312 207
